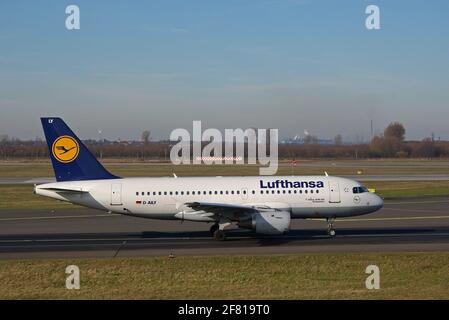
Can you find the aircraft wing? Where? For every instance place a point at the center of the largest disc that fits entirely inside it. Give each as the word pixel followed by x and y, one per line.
pixel 221 208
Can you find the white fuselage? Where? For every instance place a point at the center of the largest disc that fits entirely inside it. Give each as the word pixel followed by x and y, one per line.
pixel 165 197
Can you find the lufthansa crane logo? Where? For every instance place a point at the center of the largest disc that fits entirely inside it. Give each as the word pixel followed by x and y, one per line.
pixel 65 149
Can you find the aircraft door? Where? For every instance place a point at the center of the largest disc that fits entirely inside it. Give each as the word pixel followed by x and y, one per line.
pixel 116 194
pixel 334 192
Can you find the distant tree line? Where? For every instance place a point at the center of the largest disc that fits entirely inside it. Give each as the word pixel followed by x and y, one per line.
pixel 390 144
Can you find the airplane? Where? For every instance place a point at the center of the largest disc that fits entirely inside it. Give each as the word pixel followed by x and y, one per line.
pixel 263 204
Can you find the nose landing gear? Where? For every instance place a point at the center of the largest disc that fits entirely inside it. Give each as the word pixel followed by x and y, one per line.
pixel 330 227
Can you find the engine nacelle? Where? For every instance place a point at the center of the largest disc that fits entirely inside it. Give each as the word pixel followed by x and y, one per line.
pixel 268 222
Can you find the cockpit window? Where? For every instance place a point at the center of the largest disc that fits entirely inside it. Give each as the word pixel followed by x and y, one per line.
pixel 359 190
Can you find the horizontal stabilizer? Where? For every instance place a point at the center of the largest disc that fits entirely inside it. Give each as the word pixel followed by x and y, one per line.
pixel 65 190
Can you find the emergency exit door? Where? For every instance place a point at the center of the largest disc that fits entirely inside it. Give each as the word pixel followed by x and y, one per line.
pixel 244 194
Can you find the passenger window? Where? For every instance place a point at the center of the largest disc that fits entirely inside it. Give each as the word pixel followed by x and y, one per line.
pixel 160 193
pixel 154 193
pixel 137 193
pixel 311 191
pixel 238 192
pixel 176 193
pixel 165 193
pixel 143 193
pixel 232 191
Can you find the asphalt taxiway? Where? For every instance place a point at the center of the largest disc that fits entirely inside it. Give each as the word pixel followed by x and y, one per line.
pixel 401 226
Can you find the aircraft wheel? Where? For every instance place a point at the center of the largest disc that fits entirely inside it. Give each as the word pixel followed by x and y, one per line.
pixel 219 235
pixel 330 227
pixel 213 228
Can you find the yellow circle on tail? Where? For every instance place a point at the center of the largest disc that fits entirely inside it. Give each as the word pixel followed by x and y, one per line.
pixel 65 149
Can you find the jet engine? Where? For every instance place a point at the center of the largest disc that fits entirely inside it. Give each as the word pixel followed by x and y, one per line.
pixel 268 222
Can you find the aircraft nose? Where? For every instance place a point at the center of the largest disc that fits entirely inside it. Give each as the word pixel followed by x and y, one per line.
pixel 378 202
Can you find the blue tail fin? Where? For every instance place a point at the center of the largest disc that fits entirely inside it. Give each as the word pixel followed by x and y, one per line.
pixel 70 158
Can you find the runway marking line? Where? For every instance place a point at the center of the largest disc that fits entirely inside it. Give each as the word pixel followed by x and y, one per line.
pixel 415 210
pixel 313 219
pixel 61 217
pixel 124 241
pixel 395 235
pixel 386 219
pixel 416 202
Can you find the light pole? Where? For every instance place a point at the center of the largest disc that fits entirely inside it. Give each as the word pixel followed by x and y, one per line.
pixel 101 144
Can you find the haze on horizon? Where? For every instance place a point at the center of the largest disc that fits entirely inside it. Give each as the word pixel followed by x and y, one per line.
pixel 287 64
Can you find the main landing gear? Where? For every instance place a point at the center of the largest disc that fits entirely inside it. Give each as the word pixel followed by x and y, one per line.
pixel 213 228
pixel 217 230
pixel 330 227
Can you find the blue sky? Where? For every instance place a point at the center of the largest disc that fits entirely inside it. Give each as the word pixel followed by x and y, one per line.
pixel 287 64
